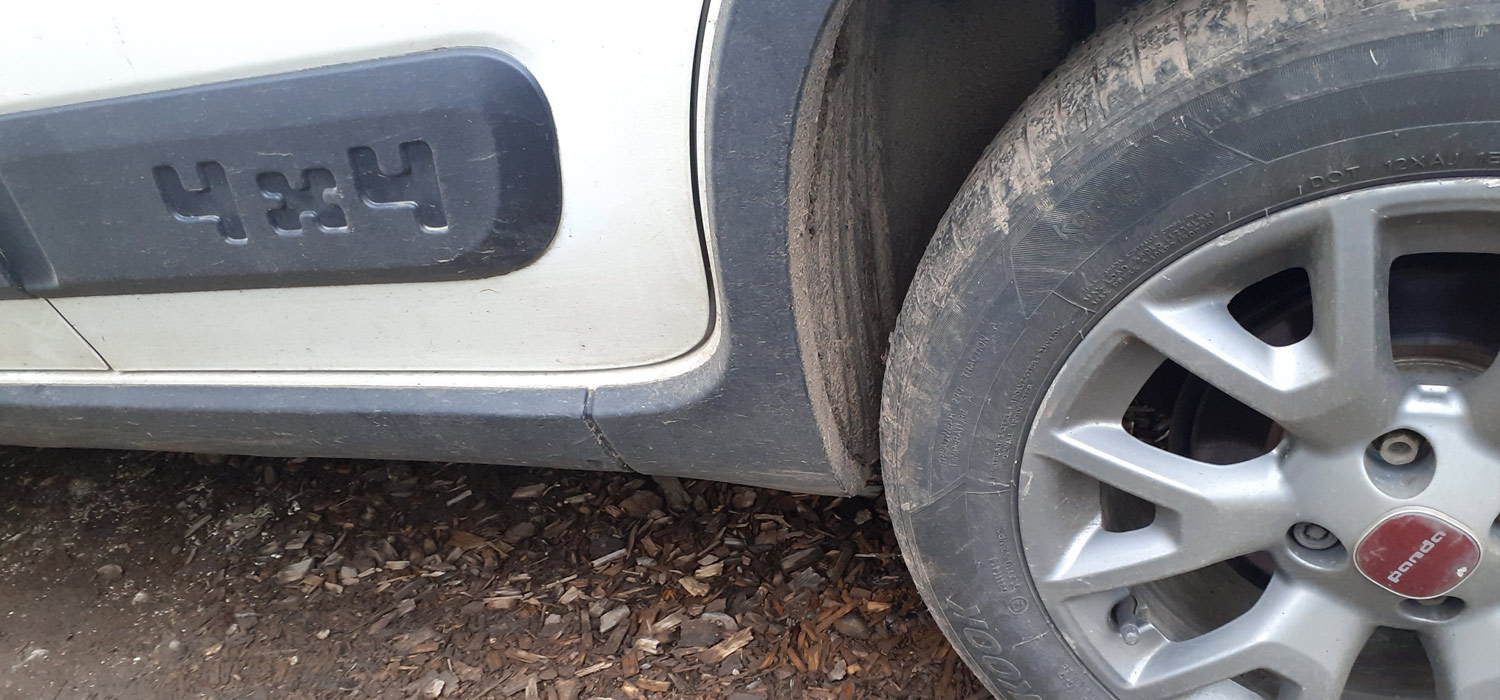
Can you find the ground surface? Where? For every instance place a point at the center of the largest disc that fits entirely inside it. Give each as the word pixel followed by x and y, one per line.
pixel 134 576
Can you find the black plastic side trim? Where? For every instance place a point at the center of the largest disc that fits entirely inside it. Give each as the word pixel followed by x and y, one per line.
pixel 746 416
pixel 543 427
pixel 434 166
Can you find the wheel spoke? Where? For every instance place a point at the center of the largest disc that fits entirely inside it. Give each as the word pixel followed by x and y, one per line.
pixel 1205 339
pixel 1247 494
pixel 1463 657
pixel 1216 512
pixel 1482 398
pixel 1324 389
pixel 1306 637
pixel 1350 271
pixel 1102 560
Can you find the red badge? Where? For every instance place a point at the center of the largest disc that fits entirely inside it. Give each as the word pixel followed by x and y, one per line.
pixel 1417 554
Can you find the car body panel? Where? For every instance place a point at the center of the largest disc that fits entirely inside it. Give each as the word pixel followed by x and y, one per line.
pixel 624 284
pixel 735 405
pixel 33 336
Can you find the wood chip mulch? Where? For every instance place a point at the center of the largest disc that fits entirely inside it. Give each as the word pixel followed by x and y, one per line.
pixel 148 575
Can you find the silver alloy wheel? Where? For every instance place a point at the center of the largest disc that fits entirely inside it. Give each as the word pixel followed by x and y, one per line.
pixel 1332 395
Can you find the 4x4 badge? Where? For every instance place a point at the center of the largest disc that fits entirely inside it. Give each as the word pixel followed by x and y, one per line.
pixel 315 202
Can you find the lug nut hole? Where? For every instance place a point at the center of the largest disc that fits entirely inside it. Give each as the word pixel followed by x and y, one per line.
pixel 1400 463
pixel 1435 610
pixel 1313 536
pixel 1399 448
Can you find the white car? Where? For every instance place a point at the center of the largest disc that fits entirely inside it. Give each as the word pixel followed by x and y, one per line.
pixel 1190 393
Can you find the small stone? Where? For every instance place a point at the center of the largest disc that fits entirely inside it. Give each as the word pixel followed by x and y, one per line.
pixel 80 489
pixel 744 499
pixel 853 626
pixel 699 633
pixel 141 598
pixel 567 689
pixel 109 573
pixel 247 620
pixel 323 634
pixel 33 655
pixel 520 532
pixel 433 688
pixel 294 573
pixel 171 650
pixel 600 546
pixel 723 620
pixel 298 541
pixel 641 504
pixel 611 619
pixel 839 671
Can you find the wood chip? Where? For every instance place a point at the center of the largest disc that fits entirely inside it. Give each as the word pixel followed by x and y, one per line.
pixel 668 623
pixel 800 559
pixel 200 522
pixel 525 656
pixel 724 649
pixel 517 684
pixel 677 497
pixel 693 586
pixel 711 571
pixel 654 686
pixel 466 540
pixel 531 491
pixel 610 558
pixel 580 673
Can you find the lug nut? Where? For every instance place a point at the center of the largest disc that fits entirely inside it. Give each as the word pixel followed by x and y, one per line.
pixel 1399 447
pixel 1313 536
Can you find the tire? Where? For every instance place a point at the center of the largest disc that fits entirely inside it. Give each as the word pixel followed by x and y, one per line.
pixel 1183 122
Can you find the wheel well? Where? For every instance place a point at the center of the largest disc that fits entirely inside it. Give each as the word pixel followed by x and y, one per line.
pixel 900 101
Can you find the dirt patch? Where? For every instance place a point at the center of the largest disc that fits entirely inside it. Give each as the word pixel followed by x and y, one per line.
pixel 135 575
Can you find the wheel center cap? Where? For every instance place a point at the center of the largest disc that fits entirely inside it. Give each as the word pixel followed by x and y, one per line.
pixel 1417 554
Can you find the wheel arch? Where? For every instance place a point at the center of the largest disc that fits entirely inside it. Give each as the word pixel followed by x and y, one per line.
pixel 899 101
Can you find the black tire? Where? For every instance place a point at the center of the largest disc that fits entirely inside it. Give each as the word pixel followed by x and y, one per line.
pixel 1187 120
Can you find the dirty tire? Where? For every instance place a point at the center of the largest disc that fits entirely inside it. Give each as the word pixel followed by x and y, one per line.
pixel 1184 121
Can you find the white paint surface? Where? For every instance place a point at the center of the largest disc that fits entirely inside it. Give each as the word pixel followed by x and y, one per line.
pixel 33 336
pixel 623 285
